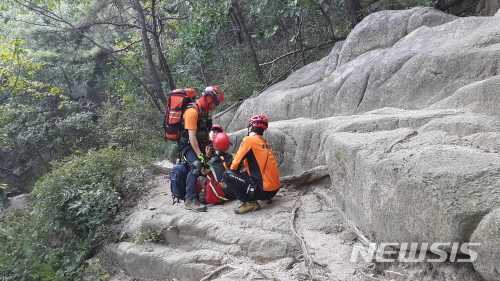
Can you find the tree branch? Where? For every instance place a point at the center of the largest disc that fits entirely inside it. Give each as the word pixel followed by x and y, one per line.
pixel 209 275
pixel 51 15
pixel 305 49
pixel 307 258
pixel 273 80
pixel 111 23
pixel 126 47
pixel 174 18
pixel 227 109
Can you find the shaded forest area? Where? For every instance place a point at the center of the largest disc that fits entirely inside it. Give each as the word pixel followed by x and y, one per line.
pixel 82 88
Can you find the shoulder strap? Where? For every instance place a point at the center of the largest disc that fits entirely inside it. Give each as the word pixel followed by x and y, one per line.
pixel 198 108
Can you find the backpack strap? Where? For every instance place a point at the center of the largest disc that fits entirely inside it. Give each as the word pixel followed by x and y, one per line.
pixel 201 114
pixel 198 108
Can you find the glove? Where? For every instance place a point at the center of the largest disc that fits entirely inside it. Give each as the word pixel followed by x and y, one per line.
pixel 203 159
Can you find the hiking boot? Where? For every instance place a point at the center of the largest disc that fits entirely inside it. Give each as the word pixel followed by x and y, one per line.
pixel 268 201
pixel 246 207
pixel 194 204
pixel 201 198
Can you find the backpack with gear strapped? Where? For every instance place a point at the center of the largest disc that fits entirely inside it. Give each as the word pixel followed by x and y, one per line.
pixel 177 102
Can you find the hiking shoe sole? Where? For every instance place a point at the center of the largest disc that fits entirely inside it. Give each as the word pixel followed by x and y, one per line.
pixel 196 210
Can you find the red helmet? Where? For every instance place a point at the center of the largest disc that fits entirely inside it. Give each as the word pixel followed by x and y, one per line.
pixel 214 92
pixel 221 141
pixel 258 121
pixel 217 128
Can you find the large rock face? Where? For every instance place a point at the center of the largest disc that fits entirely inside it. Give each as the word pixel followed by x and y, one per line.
pixel 487 235
pixel 406 59
pixel 405 115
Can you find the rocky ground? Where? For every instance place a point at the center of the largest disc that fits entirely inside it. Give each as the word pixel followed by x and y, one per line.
pixel 325 239
pixel 324 235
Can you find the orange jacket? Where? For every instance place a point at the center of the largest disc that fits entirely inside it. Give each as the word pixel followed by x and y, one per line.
pixel 259 161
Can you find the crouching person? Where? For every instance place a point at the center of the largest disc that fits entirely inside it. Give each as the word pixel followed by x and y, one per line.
pixel 260 179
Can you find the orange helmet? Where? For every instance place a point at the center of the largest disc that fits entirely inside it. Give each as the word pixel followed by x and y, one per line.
pixel 221 141
pixel 217 128
pixel 258 121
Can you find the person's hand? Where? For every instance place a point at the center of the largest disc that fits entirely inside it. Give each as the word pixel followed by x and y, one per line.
pixel 203 159
pixel 209 150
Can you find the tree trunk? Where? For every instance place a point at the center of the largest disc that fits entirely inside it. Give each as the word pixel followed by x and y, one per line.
pixel 236 29
pixel 299 39
pixel 164 64
pixel 353 11
pixel 149 54
pixel 327 18
pixel 156 32
pixel 248 38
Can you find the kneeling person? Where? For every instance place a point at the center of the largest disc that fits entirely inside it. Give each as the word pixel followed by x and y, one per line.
pixel 260 178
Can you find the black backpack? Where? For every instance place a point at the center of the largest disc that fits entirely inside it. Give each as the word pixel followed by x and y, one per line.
pixel 177 177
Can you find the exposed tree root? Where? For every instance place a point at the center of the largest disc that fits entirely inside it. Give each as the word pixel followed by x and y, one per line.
pixel 305 252
pixel 308 176
pixel 210 274
pixel 367 276
pixel 362 238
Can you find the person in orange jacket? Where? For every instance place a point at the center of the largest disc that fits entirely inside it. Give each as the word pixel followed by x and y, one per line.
pixel 194 139
pixel 259 178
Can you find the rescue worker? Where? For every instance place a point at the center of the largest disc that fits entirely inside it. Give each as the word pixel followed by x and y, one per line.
pixel 259 179
pixel 194 140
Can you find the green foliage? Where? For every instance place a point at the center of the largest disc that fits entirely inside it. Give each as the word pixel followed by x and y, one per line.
pixel 148 236
pixel 205 21
pixel 3 187
pixel 39 133
pixel 86 192
pixel 241 82
pixel 131 123
pixel 94 271
pixel 16 70
pixel 71 211
pixel 65 98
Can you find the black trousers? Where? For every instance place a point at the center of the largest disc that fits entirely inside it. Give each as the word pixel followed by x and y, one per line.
pixel 238 183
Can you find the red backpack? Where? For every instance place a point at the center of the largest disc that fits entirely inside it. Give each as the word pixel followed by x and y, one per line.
pixel 213 191
pixel 177 101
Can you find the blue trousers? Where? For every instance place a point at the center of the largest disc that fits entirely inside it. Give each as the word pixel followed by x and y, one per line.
pixel 194 172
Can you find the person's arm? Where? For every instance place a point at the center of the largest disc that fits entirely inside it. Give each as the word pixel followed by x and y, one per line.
pixel 194 142
pixel 240 154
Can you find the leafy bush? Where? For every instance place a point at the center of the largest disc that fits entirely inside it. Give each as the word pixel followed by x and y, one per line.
pixel 71 211
pixel 132 123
